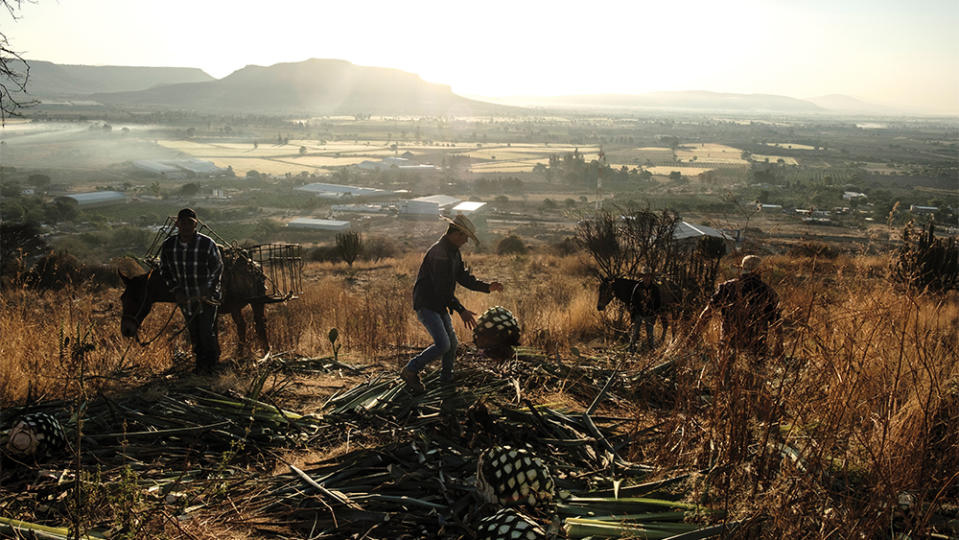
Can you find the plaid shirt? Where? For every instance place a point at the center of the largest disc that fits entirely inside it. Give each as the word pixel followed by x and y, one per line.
pixel 193 267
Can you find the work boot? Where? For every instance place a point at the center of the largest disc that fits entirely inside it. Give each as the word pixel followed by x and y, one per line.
pixel 448 381
pixel 412 380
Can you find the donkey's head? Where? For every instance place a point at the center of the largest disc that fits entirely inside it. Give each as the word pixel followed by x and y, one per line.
pixel 136 304
pixel 606 293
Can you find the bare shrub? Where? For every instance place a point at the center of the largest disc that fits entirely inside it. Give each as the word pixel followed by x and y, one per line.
pixel 376 248
pixel 567 246
pixel 927 262
pixel 511 245
pixel 813 249
pixel 349 245
pixel 55 271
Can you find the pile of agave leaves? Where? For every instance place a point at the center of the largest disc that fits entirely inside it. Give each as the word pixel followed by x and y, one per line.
pixel 155 462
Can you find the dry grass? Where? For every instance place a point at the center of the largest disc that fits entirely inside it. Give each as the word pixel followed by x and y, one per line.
pixel 867 394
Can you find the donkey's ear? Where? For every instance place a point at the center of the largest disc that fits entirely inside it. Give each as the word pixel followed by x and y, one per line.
pixel 126 280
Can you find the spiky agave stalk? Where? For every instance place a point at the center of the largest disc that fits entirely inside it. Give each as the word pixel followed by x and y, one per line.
pixel 513 476
pixel 508 524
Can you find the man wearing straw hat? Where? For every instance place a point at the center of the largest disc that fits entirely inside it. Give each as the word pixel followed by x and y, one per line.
pixel 749 307
pixel 434 299
pixel 190 265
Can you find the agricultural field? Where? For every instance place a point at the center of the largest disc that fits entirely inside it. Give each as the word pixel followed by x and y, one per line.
pixel 765 158
pixel 640 156
pixel 322 157
pixel 506 166
pixel 791 146
pixel 664 170
pixel 711 153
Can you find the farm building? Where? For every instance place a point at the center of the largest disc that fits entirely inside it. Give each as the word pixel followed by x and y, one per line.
pixel 197 166
pixel 361 208
pixel 178 168
pixel 414 207
pixel 469 209
pixel 850 195
pixel 688 235
pixel 97 198
pixel 159 168
pixel 916 209
pixel 432 205
pixel 319 224
pixel 393 163
pixel 339 191
pixel 770 207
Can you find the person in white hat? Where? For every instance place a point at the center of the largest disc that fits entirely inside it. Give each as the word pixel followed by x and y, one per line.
pixel 749 308
pixel 434 299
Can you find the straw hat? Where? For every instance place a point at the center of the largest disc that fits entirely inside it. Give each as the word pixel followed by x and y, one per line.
pixel 750 263
pixel 463 224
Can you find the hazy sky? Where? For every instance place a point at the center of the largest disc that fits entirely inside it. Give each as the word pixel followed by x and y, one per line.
pixel 903 53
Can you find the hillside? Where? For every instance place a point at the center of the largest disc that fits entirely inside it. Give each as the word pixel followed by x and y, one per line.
pixel 49 80
pixel 851 414
pixel 312 86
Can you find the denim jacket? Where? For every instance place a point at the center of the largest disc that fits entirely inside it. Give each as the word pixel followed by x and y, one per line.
pixel 441 270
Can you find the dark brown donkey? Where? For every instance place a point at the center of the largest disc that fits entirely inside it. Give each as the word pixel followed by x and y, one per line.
pixel 243 283
pixel 626 290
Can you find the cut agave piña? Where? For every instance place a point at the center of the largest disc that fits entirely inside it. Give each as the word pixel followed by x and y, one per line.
pixel 513 476
pixel 496 327
pixel 508 524
pixel 35 434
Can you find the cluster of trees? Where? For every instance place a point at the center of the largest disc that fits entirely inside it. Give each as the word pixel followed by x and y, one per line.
pixel 506 184
pixel 572 168
pixel 17 204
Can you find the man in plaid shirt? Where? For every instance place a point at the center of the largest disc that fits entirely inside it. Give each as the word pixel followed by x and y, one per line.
pixel 191 266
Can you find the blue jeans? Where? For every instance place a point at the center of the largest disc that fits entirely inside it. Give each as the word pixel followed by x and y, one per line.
pixel 440 327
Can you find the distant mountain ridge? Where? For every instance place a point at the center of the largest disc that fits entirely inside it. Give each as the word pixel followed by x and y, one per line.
pixel 839 102
pixel 325 86
pixel 49 80
pixel 701 100
pixel 316 86
pixel 681 100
